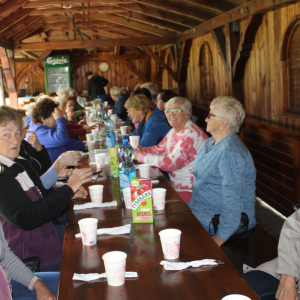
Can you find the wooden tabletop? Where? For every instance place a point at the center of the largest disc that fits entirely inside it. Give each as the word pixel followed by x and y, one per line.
pixel 144 254
pixel 111 191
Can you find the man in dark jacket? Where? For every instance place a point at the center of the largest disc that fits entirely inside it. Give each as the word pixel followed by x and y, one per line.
pixel 96 84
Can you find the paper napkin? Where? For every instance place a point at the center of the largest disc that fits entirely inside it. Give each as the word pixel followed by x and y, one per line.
pixel 94 276
pixel 95 205
pixel 175 266
pixel 154 181
pixel 113 231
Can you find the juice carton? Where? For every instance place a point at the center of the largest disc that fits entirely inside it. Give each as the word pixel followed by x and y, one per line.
pixel 113 152
pixel 141 196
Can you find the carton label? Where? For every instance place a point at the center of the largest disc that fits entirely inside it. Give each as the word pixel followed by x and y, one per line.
pixel 138 201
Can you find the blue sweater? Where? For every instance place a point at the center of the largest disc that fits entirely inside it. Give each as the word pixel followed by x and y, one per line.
pixel 224 184
pixel 154 130
pixel 56 139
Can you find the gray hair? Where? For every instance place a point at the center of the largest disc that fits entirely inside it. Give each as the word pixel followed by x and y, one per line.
pixel 185 104
pixel 60 100
pixel 115 91
pixel 72 92
pixel 151 87
pixel 63 93
pixel 230 109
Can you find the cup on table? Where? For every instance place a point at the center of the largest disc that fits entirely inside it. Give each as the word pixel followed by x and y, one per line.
pixel 109 112
pixel 96 193
pixel 90 145
pixel 134 141
pixel 89 136
pixel 105 103
pixel 127 197
pixel 123 130
pixel 170 242
pixel 144 171
pixel 235 297
pixel 159 198
pixel 88 229
pixel 95 133
pixel 116 134
pixel 115 266
pixel 100 160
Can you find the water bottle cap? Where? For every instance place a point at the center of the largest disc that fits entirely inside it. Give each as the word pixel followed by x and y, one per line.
pixel 125 141
pixel 107 117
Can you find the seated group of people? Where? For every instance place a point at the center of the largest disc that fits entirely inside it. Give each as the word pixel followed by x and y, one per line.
pixel 213 175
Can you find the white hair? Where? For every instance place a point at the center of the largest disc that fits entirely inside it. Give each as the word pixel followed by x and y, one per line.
pixel 60 100
pixel 230 109
pixel 72 92
pixel 185 104
pixel 151 87
pixel 115 91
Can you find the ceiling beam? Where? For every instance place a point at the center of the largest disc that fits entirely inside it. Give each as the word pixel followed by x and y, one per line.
pixel 7 45
pixel 43 3
pixel 30 54
pixel 94 43
pixel 28 31
pixel 109 57
pixel 8 33
pixel 71 29
pixel 134 70
pixel 161 14
pixel 11 6
pixel 32 68
pixel 216 6
pixel 238 13
pixel 159 61
pixel 14 18
pixel 180 9
pixel 98 9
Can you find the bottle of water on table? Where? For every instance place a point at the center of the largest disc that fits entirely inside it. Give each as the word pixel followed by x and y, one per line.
pixel 110 133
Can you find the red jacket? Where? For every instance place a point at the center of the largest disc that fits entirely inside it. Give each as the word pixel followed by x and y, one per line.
pixel 75 130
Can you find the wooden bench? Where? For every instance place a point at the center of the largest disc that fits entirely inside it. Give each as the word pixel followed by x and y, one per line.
pixel 253 250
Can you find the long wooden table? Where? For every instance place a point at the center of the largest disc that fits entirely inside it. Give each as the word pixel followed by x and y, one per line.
pixel 144 254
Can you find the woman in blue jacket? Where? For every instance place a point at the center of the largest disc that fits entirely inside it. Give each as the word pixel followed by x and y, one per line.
pixel 152 124
pixel 50 127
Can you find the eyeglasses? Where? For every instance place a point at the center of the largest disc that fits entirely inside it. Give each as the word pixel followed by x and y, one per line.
pixel 174 111
pixel 211 115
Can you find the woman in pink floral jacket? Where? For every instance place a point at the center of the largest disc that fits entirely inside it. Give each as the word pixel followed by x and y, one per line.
pixel 175 154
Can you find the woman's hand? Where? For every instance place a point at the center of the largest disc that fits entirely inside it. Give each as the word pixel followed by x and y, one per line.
pixel 78 178
pixel 64 173
pixel 71 158
pixel 81 193
pixel 218 240
pixel 287 289
pixel 34 141
pixel 137 151
pixel 42 292
pixel 57 114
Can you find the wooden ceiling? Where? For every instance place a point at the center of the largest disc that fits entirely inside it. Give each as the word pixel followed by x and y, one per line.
pixel 36 21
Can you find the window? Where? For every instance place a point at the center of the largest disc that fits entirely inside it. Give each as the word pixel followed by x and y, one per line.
pixel 206 75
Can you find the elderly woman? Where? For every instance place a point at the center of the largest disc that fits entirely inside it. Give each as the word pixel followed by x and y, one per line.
pixel 152 126
pixel 120 99
pixel 177 151
pixel 26 207
pixel 224 172
pixel 51 129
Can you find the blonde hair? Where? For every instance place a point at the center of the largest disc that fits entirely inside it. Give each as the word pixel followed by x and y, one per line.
pixel 139 102
pixel 115 91
pixel 185 104
pixel 230 109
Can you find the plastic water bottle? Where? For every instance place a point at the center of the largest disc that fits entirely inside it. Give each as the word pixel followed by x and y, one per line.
pixel 110 133
pixel 126 165
pixel 101 125
pixel 98 99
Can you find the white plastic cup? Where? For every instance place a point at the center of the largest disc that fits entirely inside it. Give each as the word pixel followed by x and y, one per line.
pixel 170 242
pixel 91 145
pixel 115 266
pixel 95 133
pixel 159 198
pixel 116 134
pixel 110 111
pixel 144 171
pixel 123 130
pixel 89 137
pixel 88 229
pixel 236 297
pixel 96 193
pixel 100 161
pixel 127 197
pixel 134 141
pixel 105 103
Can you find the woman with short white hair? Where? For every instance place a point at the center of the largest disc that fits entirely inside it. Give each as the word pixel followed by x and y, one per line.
pixel 175 154
pixel 152 89
pixel 120 99
pixel 224 172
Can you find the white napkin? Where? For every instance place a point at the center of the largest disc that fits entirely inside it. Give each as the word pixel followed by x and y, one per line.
pixel 174 266
pixel 95 205
pixel 154 181
pixel 94 276
pixel 113 231
pixel 84 153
